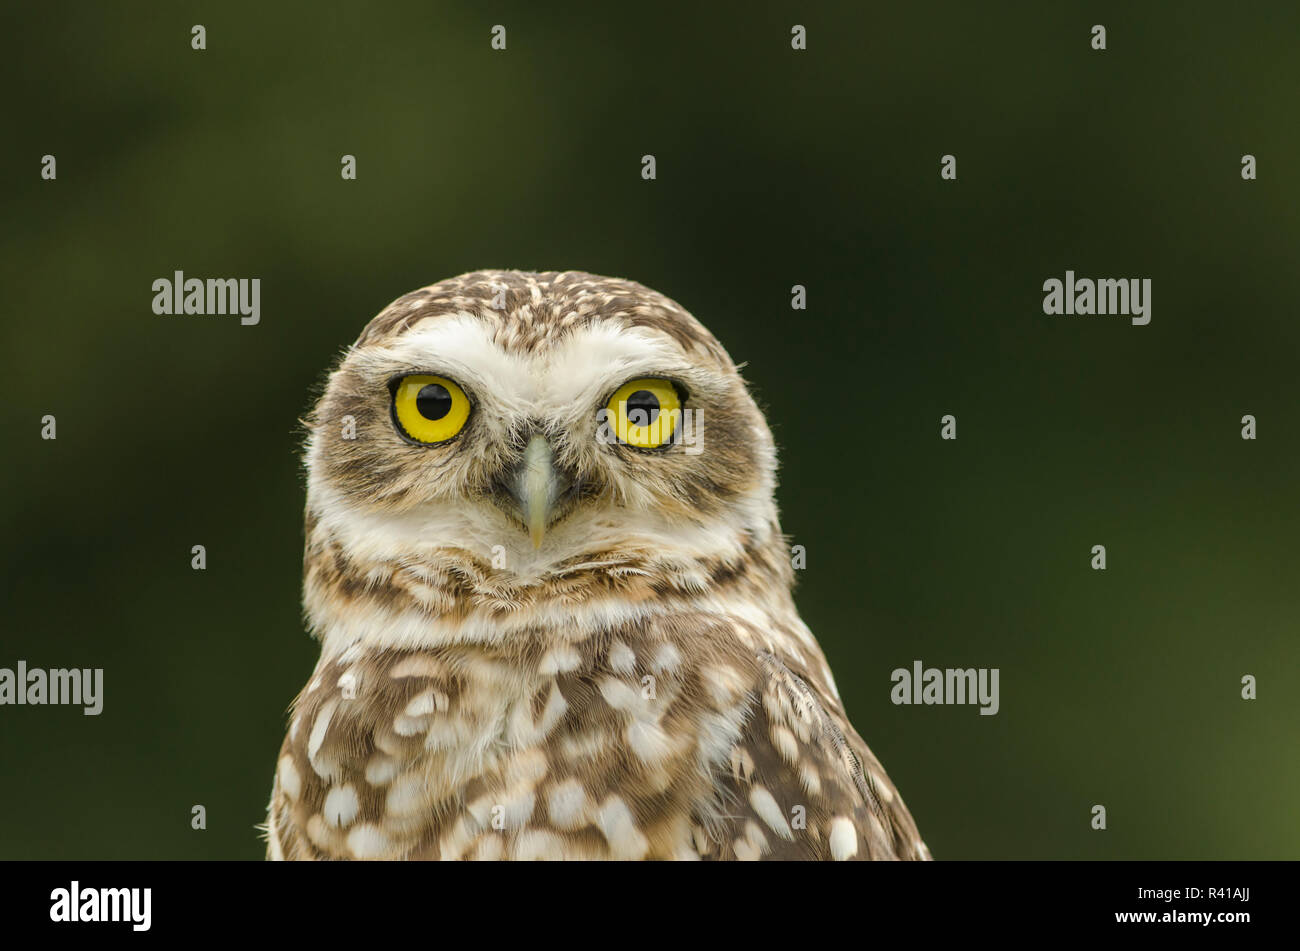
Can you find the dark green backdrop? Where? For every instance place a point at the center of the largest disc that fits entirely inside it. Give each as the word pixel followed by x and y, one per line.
pixel 775 167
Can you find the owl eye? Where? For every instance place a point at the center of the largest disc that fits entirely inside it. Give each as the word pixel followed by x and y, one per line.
pixel 429 409
pixel 644 413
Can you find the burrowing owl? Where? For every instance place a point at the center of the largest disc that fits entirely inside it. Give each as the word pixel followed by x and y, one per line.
pixel 553 599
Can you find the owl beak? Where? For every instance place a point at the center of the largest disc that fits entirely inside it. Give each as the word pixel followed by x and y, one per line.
pixel 538 486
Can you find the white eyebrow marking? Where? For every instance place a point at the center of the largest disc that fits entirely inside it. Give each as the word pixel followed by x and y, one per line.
pixel 571 376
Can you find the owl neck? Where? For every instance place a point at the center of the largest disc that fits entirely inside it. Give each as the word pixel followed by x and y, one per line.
pixel 429 595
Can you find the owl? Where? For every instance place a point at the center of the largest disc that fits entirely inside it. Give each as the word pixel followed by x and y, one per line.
pixel 553 600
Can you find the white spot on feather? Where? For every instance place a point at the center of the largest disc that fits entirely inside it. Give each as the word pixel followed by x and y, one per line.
pixel 290 781
pixel 367 841
pixel 844 839
pixel 560 660
pixel 622 660
pixel 323 767
pixel 767 809
pixel 567 804
pixel 619 828
pixel 341 806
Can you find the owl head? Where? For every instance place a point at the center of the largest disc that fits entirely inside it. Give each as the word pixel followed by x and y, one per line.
pixel 513 427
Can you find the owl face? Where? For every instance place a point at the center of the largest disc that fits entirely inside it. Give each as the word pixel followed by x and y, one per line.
pixel 543 417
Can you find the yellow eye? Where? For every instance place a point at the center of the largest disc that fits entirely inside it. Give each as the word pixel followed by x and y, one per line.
pixel 644 413
pixel 429 409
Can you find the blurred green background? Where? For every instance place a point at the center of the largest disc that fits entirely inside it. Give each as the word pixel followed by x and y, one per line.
pixel 819 168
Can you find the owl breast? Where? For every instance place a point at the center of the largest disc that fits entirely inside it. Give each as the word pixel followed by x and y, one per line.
pixel 684 735
pixel 470 751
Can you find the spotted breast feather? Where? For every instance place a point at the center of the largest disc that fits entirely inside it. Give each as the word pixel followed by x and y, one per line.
pixel 682 738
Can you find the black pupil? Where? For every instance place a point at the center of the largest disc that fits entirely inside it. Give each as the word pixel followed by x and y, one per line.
pixel 642 408
pixel 433 401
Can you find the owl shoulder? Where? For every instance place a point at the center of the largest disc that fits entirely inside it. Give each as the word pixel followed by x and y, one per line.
pixel 799 783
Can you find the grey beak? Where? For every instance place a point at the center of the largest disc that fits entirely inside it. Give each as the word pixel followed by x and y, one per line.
pixel 537 486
